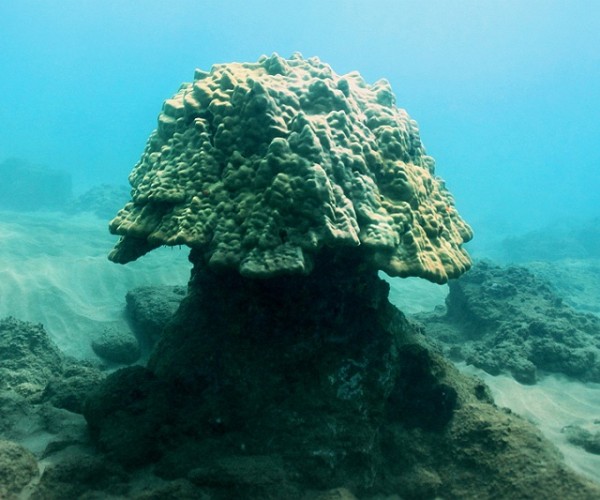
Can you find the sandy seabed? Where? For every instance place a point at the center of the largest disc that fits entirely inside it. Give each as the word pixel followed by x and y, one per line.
pixel 54 270
pixel 552 404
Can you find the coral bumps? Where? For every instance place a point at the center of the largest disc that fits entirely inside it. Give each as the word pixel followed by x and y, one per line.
pixel 261 165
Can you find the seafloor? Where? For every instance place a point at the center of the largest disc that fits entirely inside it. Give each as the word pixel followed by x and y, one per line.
pixel 67 326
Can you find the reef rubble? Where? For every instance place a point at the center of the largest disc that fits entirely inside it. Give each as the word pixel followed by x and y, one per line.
pixel 510 319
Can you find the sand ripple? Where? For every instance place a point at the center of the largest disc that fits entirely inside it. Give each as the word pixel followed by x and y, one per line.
pixel 54 271
pixel 552 404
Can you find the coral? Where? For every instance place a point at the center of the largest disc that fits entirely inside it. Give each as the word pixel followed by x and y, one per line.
pixel 261 165
pixel 308 384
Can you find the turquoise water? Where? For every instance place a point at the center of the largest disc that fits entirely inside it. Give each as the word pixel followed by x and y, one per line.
pixel 506 93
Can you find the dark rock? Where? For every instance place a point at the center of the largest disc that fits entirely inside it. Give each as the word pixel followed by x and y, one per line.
pixel 49 425
pixel 307 380
pixel 578 436
pixel 180 489
pixel 117 346
pixel 82 476
pixel 418 398
pixel 17 468
pixel 70 390
pixel 315 387
pixel 506 319
pixel 150 308
pixel 334 494
pixel 247 473
pixel 28 358
pixel 576 281
pixel 54 447
pixel 126 416
pixel 32 187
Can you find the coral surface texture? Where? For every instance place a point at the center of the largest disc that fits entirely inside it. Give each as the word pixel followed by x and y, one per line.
pixel 260 165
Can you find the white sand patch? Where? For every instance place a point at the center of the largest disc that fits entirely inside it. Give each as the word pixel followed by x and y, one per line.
pixel 552 404
pixel 415 295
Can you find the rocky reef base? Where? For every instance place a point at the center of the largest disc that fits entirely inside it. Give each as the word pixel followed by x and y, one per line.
pixel 510 319
pixel 295 387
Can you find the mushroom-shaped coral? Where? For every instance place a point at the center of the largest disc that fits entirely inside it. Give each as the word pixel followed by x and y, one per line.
pixel 260 165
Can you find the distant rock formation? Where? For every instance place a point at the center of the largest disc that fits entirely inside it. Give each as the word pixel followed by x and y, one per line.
pixel 102 200
pixel 564 239
pixel 26 186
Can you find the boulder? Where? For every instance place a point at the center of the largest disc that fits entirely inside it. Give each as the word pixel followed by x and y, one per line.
pixel 117 345
pixel 28 357
pixel 150 308
pixel 70 390
pixel 101 200
pixel 292 387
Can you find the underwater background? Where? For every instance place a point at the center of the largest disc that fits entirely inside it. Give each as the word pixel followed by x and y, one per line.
pixel 505 93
